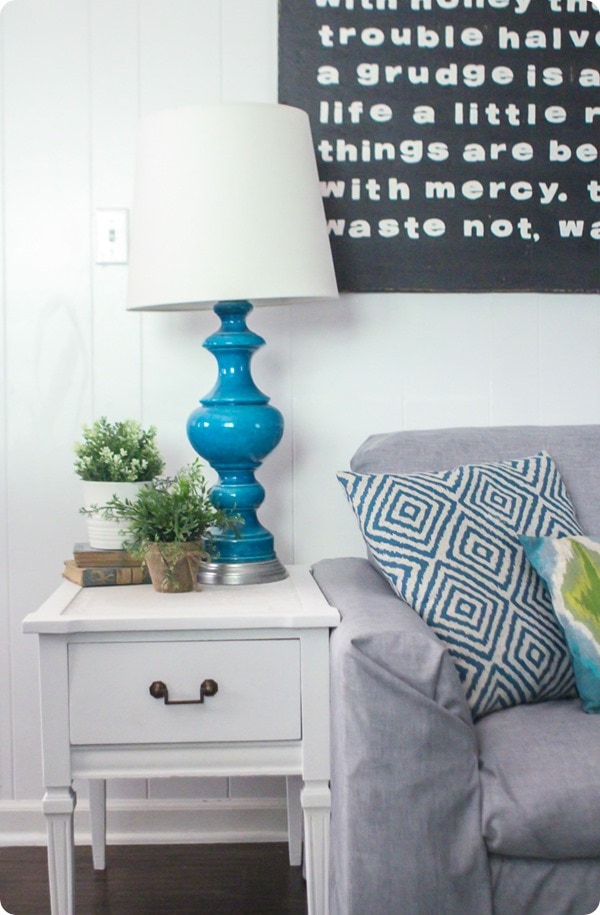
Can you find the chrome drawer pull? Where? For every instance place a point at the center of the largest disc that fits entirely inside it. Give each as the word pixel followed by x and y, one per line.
pixel 158 690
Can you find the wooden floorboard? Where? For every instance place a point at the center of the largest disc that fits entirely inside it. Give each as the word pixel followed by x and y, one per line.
pixel 251 879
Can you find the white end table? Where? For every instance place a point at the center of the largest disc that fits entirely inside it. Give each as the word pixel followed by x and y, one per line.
pixel 230 680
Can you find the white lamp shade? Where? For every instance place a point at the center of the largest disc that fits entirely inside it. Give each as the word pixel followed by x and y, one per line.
pixel 227 206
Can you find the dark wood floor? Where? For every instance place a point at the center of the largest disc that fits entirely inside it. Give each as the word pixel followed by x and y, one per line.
pixel 252 879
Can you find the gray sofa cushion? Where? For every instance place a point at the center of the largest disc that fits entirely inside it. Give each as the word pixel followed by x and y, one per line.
pixel 540 779
pixel 528 886
pixel 575 450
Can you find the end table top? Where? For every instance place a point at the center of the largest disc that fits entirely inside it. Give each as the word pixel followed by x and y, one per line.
pixel 295 602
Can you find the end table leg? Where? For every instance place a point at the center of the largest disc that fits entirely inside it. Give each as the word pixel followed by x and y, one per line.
pixel 294 818
pixel 97 792
pixel 58 807
pixel 316 803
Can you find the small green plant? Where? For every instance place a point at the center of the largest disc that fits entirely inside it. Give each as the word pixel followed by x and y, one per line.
pixel 169 514
pixel 119 452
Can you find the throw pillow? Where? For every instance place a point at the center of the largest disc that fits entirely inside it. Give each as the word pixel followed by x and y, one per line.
pixel 570 566
pixel 449 545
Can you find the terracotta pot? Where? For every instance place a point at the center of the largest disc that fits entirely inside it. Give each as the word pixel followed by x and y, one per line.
pixel 172 572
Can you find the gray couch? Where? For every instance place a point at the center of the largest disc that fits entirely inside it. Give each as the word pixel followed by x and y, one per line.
pixel 431 813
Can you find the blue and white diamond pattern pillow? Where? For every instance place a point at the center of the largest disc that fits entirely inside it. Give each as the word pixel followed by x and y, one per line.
pixel 448 543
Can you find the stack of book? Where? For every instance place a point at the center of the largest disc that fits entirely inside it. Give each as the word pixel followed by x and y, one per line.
pixel 92 568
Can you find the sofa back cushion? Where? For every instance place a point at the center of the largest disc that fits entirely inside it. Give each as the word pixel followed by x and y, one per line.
pixel 575 450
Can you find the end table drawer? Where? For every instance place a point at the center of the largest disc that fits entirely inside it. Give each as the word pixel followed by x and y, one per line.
pixel 258 695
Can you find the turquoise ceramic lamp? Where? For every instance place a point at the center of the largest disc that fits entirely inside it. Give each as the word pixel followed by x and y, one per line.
pixel 227 209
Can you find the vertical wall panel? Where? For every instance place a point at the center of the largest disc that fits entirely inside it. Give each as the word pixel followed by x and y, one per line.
pixel 47 263
pixel 515 394
pixel 5 683
pixel 180 53
pixel 447 356
pixel 116 354
pixel 569 359
pixel 47 270
pixel 249 70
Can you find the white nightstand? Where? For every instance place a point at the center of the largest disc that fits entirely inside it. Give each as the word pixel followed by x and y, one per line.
pixel 123 672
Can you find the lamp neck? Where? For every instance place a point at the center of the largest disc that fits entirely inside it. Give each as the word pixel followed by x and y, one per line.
pixel 235 310
pixel 233 332
pixel 233 346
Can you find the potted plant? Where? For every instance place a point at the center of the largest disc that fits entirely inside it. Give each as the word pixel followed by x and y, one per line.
pixel 113 458
pixel 170 524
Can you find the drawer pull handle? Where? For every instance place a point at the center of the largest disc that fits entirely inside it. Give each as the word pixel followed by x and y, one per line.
pixel 159 690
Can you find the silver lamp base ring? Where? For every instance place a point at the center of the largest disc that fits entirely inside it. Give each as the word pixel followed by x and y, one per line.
pixel 241 573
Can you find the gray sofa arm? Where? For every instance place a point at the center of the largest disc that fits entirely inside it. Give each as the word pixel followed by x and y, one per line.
pixel 406 824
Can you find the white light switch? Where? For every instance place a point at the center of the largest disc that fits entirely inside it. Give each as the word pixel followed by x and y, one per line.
pixel 111 236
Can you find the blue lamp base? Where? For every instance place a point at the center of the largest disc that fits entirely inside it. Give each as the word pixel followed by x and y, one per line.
pixel 234 429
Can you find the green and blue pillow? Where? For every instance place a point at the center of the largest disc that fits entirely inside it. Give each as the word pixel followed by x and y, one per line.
pixel 570 566
pixel 448 543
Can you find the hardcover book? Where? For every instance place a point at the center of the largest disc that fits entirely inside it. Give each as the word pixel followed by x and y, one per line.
pixel 101 576
pixel 85 556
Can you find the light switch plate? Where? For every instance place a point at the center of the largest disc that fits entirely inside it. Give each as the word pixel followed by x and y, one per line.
pixel 112 236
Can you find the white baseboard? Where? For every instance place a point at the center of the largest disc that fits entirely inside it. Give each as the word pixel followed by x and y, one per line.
pixel 157 821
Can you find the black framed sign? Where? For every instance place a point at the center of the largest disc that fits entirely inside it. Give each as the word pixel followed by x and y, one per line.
pixel 458 141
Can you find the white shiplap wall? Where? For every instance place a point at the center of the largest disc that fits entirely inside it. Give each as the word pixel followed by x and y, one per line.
pixel 74 77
